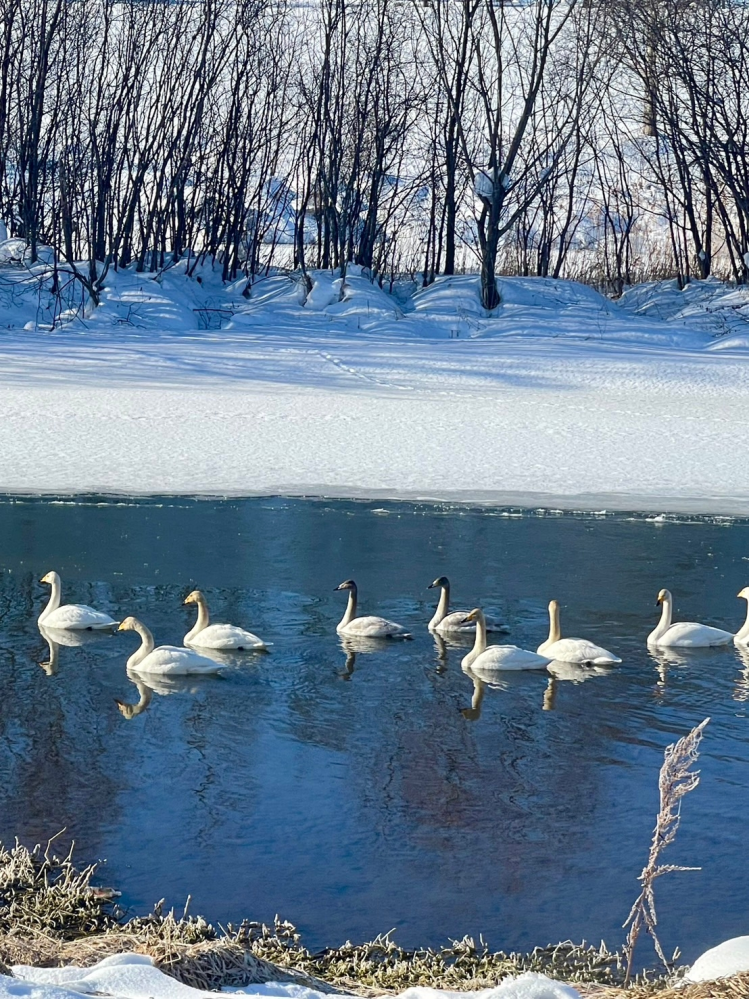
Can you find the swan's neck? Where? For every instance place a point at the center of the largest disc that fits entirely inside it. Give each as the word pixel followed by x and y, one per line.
pixel 202 623
pixel 441 613
pixel 479 645
pixel 555 630
pixel 743 634
pixel 665 622
pixel 54 600
pixel 350 614
pixel 146 646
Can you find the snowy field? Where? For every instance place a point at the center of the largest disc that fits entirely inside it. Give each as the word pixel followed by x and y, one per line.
pixel 560 398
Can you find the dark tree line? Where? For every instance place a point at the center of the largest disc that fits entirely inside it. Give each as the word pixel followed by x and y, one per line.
pixel 549 137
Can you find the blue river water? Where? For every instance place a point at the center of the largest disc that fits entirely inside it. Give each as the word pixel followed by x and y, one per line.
pixel 354 792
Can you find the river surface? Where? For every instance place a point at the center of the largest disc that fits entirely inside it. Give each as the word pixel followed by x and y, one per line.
pixel 356 792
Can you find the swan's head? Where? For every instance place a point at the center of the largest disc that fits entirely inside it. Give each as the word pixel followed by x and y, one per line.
pixel 129 624
pixel 663 597
pixel 475 615
pixel 442 581
pixel 50 579
pixel 348 584
pixel 744 593
pixel 195 597
pixel 553 606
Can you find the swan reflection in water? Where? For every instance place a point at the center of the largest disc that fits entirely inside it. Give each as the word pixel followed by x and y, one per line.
pixel 559 672
pixel 474 712
pixel 482 680
pixel 352 647
pixel 55 637
pixel 148 684
pixel 565 672
pixel 443 643
pixel 667 658
pixel 670 657
pixel 440 648
pixel 741 689
pixel 145 694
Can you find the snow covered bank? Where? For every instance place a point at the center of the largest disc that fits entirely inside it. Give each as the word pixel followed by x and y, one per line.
pixel 560 398
pixel 133 976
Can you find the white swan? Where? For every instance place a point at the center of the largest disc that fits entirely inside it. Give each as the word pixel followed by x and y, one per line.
pixel 365 627
pixel 70 615
pixel 168 660
pixel 446 622
pixel 498 656
pixel 571 650
pixel 685 634
pixel 205 635
pixel 742 635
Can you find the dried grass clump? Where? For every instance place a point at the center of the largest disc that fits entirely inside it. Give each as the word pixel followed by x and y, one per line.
pixel 45 894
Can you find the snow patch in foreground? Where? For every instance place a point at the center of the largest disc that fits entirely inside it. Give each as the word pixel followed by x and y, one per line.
pixel 133 976
pixel 728 958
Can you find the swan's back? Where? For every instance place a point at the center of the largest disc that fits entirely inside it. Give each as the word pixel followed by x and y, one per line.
pixel 226 636
pixel 372 626
pixel 689 634
pixel 508 657
pixel 455 622
pixel 172 660
pixel 78 616
pixel 577 650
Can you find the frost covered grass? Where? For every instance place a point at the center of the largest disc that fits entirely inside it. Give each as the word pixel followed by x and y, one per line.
pixel 51 914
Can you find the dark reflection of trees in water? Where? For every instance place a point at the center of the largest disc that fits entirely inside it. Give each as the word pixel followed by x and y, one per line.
pixel 518 785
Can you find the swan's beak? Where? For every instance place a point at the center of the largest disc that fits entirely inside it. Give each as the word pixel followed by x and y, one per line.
pixel 120 627
pixel 431 586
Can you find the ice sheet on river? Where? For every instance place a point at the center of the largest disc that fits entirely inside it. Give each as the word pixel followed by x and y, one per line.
pixel 133 976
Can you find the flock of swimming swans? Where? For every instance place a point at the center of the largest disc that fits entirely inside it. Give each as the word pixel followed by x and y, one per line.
pixel 204 637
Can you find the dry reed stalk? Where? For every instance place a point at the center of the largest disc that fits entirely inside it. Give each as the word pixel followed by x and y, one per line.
pixel 676 779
